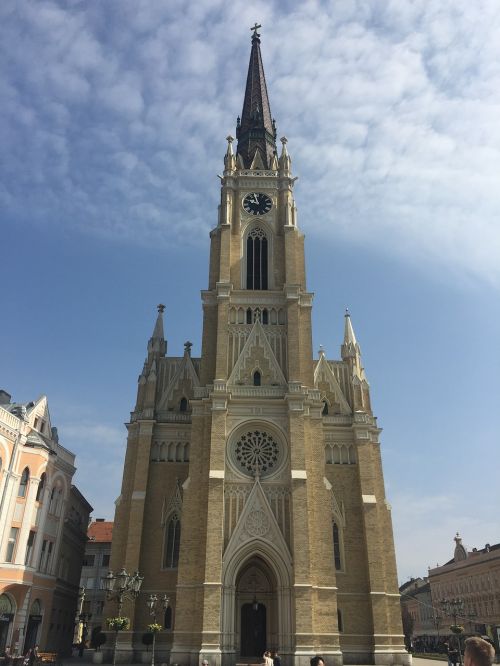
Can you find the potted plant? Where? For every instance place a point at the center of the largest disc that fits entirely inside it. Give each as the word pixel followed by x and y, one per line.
pixel 154 628
pixel 117 624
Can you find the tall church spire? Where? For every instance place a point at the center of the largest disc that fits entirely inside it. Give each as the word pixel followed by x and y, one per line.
pixel 256 131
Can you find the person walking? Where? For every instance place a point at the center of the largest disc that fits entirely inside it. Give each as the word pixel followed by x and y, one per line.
pixel 276 658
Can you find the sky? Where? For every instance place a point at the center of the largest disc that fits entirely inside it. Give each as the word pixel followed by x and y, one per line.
pixel 113 120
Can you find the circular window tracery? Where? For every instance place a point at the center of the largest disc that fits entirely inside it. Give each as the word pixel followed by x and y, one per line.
pixel 256 452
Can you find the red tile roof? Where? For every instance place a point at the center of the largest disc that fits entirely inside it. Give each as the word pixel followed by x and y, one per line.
pixel 100 530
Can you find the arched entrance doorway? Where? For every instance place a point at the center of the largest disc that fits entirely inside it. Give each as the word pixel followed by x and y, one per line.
pixel 34 620
pixel 6 617
pixel 256 608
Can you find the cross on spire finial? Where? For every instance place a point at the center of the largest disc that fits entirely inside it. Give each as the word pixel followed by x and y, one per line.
pixel 255 28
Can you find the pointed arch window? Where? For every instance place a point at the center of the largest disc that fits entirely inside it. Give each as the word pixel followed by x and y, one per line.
pixel 41 487
pixel 23 483
pixel 257 259
pixel 167 622
pixel 172 542
pixel 325 408
pixel 337 552
pixel 340 620
pixel 257 378
pixel 183 405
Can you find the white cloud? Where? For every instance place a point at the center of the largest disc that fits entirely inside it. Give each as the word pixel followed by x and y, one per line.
pixel 425 525
pixel 391 111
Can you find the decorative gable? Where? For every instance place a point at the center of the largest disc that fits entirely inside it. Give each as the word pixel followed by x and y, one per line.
pixel 172 505
pixel 257 523
pixel 257 356
pixel 326 382
pixel 181 385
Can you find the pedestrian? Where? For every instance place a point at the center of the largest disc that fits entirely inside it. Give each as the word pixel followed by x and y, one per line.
pixel 267 658
pixel 452 656
pixel 81 648
pixel 317 661
pixel 478 652
pixel 276 658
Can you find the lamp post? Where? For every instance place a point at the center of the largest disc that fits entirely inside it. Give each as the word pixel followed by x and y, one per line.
pixel 120 587
pixel 454 608
pixel 436 619
pixel 152 604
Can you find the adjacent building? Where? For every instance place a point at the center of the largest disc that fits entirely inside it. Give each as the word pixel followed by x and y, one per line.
pixel 472 576
pixel 467 585
pixel 252 493
pixel 95 567
pixel 421 622
pixel 43 530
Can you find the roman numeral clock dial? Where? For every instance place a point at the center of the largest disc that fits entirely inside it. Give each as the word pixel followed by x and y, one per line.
pixel 257 203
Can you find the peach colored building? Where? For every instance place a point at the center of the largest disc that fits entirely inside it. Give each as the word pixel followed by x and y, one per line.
pixel 472 576
pixel 43 524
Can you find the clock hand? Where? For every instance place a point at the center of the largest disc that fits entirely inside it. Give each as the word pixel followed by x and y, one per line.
pixel 255 199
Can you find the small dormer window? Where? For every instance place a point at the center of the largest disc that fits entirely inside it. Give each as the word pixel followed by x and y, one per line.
pixel 183 405
pixel 256 378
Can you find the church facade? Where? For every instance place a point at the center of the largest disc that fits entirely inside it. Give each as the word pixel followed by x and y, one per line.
pixel 253 494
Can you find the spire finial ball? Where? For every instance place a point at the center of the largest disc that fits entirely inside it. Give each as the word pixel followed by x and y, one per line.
pixel 229 138
pixel 161 308
pixel 284 140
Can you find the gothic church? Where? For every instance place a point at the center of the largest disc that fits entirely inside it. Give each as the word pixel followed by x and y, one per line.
pixel 253 494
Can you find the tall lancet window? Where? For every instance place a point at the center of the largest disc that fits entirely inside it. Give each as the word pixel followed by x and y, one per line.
pixel 257 259
pixel 172 542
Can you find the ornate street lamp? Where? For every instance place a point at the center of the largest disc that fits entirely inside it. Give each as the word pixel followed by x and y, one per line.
pixel 152 604
pixel 454 608
pixel 120 587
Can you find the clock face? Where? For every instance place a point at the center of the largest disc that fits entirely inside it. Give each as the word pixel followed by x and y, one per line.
pixel 257 203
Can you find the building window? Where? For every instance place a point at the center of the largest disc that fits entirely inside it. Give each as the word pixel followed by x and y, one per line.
pixel 41 487
pixel 256 378
pixel 23 483
pixel 49 556
pixel 29 548
pixel 340 621
pixel 325 408
pixel 336 547
pixel 257 259
pixel 249 316
pixel 11 544
pixel 168 618
pixel 88 561
pixel 183 405
pixel 105 559
pixel 42 555
pixel 172 542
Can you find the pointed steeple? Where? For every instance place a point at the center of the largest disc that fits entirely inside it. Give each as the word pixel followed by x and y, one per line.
pixel 157 344
pixel 256 130
pixel 350 347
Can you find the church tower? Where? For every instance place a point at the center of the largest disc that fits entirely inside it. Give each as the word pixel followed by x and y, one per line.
pixel 253 494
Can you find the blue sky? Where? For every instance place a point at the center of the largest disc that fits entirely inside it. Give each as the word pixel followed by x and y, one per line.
pixel 112 126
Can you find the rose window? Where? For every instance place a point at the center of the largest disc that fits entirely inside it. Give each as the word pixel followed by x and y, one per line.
pixel 257 453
